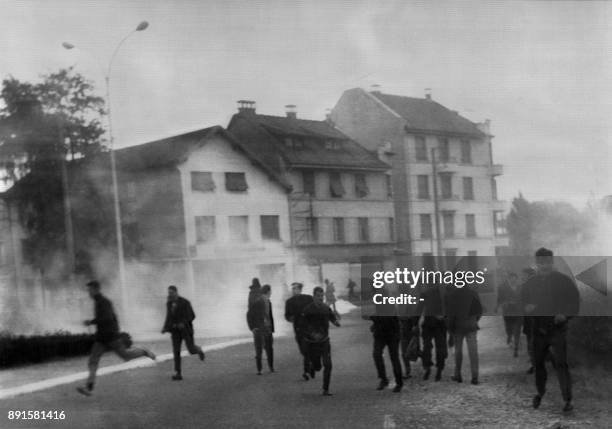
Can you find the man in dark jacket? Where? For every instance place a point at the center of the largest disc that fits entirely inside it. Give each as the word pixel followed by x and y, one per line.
pixel 433 329
pixel 261 323
pixel 317 317
pixel 386 332
pixel 294 307
pixel 107 337
pixel 527 320
pixel 551 298
pixel 254 291
pixel 509 300
pixel 179 322
pixel 464 311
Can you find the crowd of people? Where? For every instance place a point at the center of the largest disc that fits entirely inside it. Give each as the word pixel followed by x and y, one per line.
pixel 540 304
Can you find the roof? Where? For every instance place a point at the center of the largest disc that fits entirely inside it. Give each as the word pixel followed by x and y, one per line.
pixel 427 115
pixel 265 135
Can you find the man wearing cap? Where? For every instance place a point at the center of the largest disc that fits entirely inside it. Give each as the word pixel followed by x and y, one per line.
pixel 551 299
pixel 179 322
pixel 107 337
pixel 294 307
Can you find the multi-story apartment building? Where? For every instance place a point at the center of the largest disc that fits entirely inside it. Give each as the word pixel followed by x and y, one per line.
pixel 341 207
pixel 442 164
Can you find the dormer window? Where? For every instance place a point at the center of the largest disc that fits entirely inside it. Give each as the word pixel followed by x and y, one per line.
pixel 289 142
pixel 332 145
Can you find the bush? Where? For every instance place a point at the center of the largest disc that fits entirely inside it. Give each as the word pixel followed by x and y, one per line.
pixel 20 350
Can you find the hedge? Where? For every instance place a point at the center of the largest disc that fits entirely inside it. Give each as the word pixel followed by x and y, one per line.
pixel 22 350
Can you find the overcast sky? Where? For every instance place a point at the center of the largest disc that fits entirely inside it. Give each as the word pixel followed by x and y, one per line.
pixel 541 71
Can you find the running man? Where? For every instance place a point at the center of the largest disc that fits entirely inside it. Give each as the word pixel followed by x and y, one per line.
pixel 294 307
pixel 107 337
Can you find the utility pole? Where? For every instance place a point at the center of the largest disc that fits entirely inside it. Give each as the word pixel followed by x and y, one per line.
pixel 436 208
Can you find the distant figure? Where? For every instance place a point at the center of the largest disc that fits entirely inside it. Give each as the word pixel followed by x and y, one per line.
pixel 351 289
pixel 179 322
pixel 551 298
pixel 433 330
pixel 107 337
pixel 317 317
pixel 464 311
pixel 254 291
pixel 294 307
pixel 330 295
pixel 261 323
pixel 527 320
pixel 509 299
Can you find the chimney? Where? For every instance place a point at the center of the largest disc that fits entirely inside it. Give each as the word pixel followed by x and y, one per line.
pixel 328 117
pixel 246 107
pixel 428 93
pixel 375 89
pixel 291 110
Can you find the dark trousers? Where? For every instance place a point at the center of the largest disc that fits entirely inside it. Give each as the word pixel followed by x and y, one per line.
pixel 320 353
pixel 434 335
pixel 528 331
pixel 301 342
pixel 392 344
pixel 513 326
pixel 177 338
pixel 99 348
pixel 263 340
pixel 406 334
pixel 555 342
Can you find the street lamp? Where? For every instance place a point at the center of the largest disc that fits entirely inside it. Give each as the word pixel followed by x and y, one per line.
pixel 141 27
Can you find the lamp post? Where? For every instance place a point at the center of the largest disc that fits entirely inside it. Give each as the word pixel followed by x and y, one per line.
pixel 117 210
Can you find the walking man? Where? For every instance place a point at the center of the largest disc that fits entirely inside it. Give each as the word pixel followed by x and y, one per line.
pixel 317 316
pixel 107 337
pixel 261 323
pixel 294 307
pixel 527 320
pixel 386 332
pixel 509 298
pixel 463 317
pixel 433 330
pixel 179 322
pixel 551 298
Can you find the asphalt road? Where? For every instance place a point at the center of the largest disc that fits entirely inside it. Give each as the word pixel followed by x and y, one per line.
pixel 225 391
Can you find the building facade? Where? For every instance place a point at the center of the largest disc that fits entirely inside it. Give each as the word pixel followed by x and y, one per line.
pixel 441 164
pixel 341 208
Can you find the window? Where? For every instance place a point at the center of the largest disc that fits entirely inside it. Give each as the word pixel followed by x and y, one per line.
pixel 269 228
pixel 493 189
pixel 426 231
pixel 332 145
pixel 132 245
pixel 446 183
pixel 466 152
pixel 288 142
pixel 444 150
pixel 423 187
pixel 391 229
pixel 499 223
pixel 202 181
pixel 468 188
pixel 308 180
pixel 421 148
pixel 235 182
pixel 239 228
pixel 2 253
pixel 361 186
pixel 450 258
pixel 312 229
pixel 470 225
pixel 205 229
pixel 131 190
pixel 389 186
pixel 336 190
pixel 338 229
pixel 472 260
pixel 364 231
pixel 448 219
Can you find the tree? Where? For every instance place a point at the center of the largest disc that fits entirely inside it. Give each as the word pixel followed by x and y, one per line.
pixel 519 225
pixel 42 125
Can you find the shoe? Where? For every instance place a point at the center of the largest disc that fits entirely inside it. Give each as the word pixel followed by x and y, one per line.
pixel 312 373
pixel 148 353
pixel 202 355
pixel 271 369
pixel 326 393
pixel 177 377
pixel 407 377
pixel 258 372
pixel 537 400
pixel 305 377
pixel 397 388
pixel 516 353
pixel 427 373
pixel 84 391
pixel 438 375
pixel 531 370
pixel 475 381
pixel 568 407
pixel 457 378
pixel 382 384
